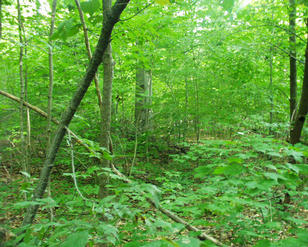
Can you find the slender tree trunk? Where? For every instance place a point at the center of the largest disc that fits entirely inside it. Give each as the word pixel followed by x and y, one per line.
pixel 271 90
pixel 67 116
pixel 186 111
pixel 51 77
pixel 197 116
pixel 0 19
pixel 28 121
pixel 105 140
pixel 50 90
pixel 22 88
pixel 297 127
pixel 293 76
pixel 143 96
pixel 87 44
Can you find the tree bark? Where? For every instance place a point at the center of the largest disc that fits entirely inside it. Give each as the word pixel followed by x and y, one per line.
pixel 67 116
pixel 50 59
pixel 292 42
pixel 143 97
pixel 22 88
pixel 107 105
pixel 87 44
pixel 297 127
pixel 0 19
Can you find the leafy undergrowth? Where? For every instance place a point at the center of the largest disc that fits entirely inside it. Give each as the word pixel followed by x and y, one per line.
pixel 251 191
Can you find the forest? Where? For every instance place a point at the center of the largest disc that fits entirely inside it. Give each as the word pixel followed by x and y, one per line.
pixel 153 123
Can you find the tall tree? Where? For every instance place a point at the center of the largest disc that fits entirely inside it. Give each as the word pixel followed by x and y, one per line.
pixel 143 96
pixel 293 74
pixel 51 76
pixel 22 86
pixel 300 117
pixel 105 140
pixel 88 47
pixel 67 116
pixel 50 88
pixel 0 19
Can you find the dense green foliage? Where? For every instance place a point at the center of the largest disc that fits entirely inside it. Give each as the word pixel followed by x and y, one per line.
pixel 211 154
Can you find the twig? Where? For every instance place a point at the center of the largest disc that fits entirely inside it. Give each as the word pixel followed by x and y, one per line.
pixel 135 153
pixel 69 142
pixel 138 12
pixel 43 114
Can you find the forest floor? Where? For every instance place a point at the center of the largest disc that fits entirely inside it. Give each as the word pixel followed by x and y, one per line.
pixel 246 192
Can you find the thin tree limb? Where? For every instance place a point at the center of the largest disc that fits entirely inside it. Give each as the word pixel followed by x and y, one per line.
pixel 45 115
pixel 88 47
pixel 138 12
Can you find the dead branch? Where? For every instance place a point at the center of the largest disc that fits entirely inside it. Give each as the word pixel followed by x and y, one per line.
pixel 44 114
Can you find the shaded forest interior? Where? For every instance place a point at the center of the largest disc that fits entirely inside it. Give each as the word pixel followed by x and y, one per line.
pixel 153 123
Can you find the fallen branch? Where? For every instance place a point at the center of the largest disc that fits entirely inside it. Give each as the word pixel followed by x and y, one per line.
pixel 44 114
pixel 202 236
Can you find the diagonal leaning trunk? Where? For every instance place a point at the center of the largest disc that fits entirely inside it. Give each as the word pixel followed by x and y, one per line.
pixel 298 124
pixel 67 116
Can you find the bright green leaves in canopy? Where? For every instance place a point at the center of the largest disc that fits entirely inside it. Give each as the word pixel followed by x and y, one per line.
pixel 67 29
pixel 91 6
pixel 162 2
pixel 228 5
pixel 305 2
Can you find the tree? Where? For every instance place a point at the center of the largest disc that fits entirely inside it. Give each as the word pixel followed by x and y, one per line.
pixel 143 96
pixel 300 117
pixel 67 116
pixel 293 73
pixel 105 139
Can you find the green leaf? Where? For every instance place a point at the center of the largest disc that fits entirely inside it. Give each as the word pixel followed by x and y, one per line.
pixel 26 174
pixel 228 5
pixel 66 29
pixel 91 6
pixel 230 170
pixel 162 2
pixel 303 236
pixel 189 242
pixel 203 171
pixel 274 176
pixel 298 156
pixel 263 243
pixel 293 167
pixel 77 239
pixel 26 204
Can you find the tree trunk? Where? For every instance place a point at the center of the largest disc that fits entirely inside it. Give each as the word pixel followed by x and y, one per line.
pixel 297 127
pixel 50 91
pixel 50 57
pixel 292 41
pixel 87 44
pixel 271 91
pixel 197 116
pixel 143 98
pixel 0 19
pixel 105 140
pixel 67 116
pixel 22 89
